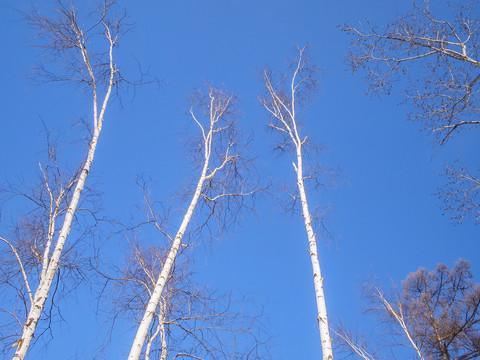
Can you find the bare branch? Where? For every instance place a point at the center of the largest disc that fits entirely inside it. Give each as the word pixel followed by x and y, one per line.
pixel 437 61
pixel 24 274
pixel 446 97
pixel 398 316
pixel 353 345
pixel 461 194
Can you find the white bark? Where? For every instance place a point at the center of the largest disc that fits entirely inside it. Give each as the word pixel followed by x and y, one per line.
pixel 283 110
pixel 399 318
pixel 317 275
pixel 44 287
pixel 142 330
pixel 160 330
pixel 48 273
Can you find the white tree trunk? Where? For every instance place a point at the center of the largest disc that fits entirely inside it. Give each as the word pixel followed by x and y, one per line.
pixel 317 275
pixel 41 294
pixel 142 330
pixel 48 274
pixel 282 110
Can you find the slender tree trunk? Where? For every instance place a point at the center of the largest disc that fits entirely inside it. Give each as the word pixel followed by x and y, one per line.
pixel 281 108
pixel 142 330
pixel 317 275
pixel 41 294
pixel 45 283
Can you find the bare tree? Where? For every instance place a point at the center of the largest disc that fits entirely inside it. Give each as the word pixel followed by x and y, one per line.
pixel 281 102
pixel 437 313
pixel 221 184
pixel 191 322
pixel 440 59
pixel 41 206
pixel 72 49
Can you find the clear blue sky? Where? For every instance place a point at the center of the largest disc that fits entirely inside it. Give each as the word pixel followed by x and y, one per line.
pixel 384 218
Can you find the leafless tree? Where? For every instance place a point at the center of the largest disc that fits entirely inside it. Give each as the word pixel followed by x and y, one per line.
pixel 437 313
pixel 282 101
pixel 439 57
pixel 39 247
pixel 191 322
pixel 222 186
pixel 40 207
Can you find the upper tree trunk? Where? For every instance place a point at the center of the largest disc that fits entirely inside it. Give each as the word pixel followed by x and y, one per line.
pixel 317 275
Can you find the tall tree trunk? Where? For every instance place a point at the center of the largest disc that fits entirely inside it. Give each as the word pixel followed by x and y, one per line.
pixel 142 330
pixel 317 275
pixel 281 108
pixel 41 294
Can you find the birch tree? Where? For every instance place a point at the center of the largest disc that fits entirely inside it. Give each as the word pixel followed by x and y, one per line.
pixel 24 242
pixel 281 103
pixel 191 321
pixel 72 49
pixel 435 59
pixel 221 184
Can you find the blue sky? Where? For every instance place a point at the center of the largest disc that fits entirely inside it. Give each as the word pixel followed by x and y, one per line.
pixel 384 216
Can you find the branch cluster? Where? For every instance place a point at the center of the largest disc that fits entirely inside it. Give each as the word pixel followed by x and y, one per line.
pixel 461 194
pixel 440 57
pixel 230 184
pixel 74 50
